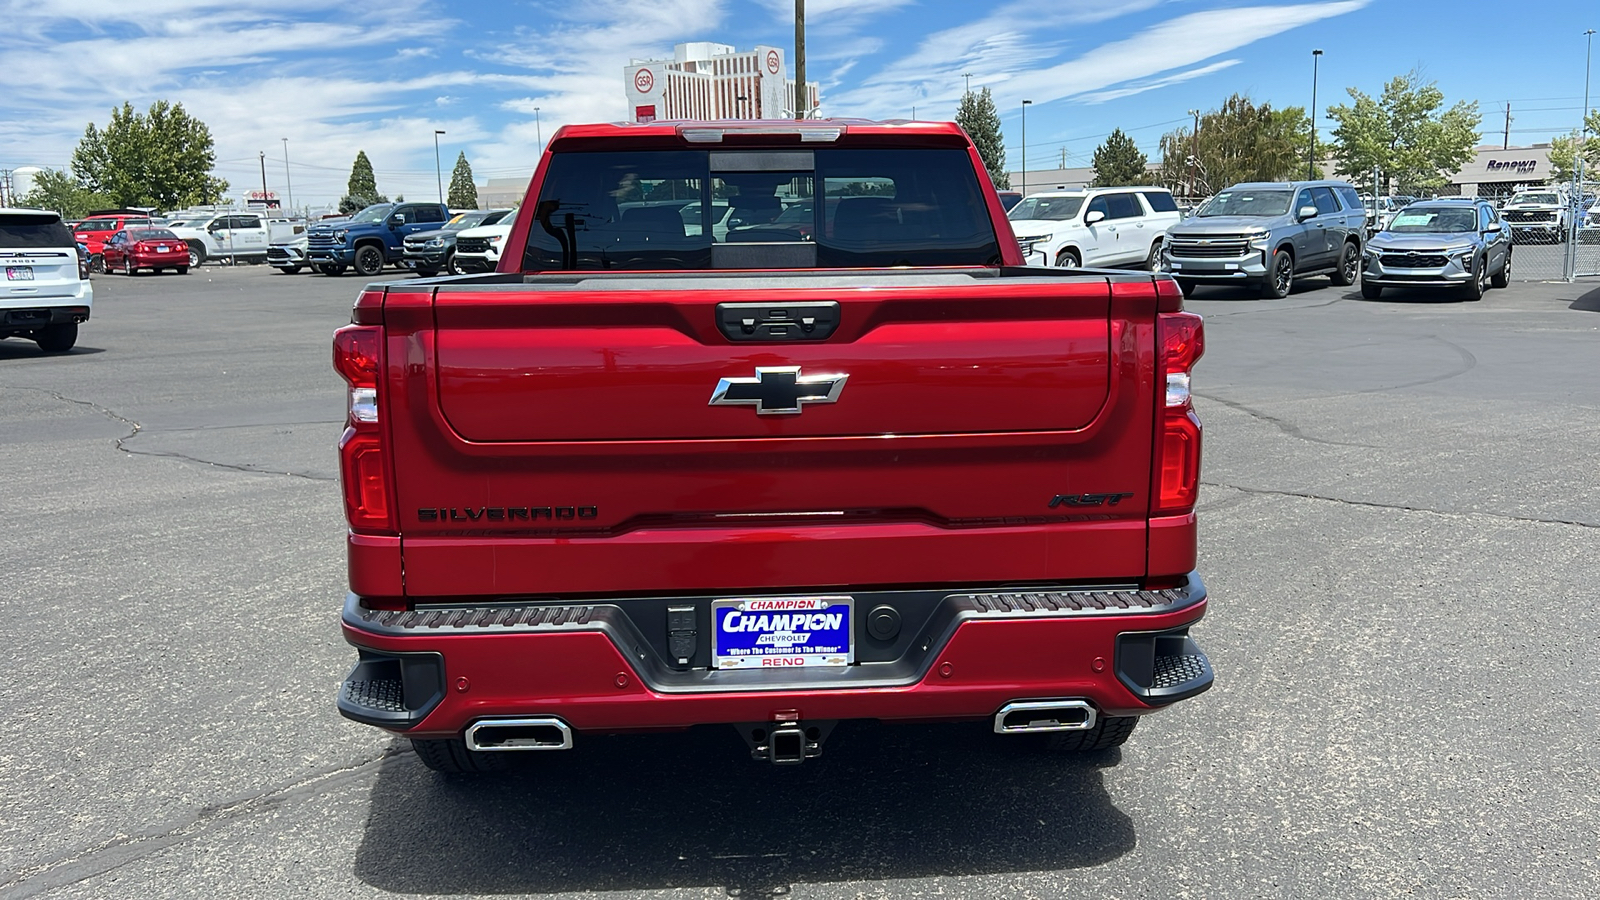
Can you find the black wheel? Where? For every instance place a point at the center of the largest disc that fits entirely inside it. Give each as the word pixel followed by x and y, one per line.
pixel 197 255
pixel 1068 259
pixel 369 260
pixel 289 270
pixel 182 270
pixel 97 263
pixel 450 264
pixel 1473 289
pixel 1186 285
pixel 1152 263
pixel 1371 291
pixel 1280 278
pixel 1349 266
pixel 58 338
pixel 331 268
pixel 452 756
pixel 1108 732
pixel 426 272
pixel 1502 278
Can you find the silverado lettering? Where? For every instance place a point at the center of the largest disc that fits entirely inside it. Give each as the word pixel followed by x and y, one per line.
pixel 877 557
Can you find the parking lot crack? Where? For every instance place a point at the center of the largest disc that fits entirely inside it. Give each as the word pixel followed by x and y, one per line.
pixel 110 855
pixel 1287 428
pixel 1305 495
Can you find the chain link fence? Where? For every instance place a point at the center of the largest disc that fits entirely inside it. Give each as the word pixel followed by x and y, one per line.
pixel 1586 248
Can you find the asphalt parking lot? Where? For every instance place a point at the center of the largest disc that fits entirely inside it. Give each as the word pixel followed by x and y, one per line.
pixel 1399 530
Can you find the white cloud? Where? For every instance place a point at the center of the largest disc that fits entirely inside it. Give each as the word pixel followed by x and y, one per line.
pixel 1139 87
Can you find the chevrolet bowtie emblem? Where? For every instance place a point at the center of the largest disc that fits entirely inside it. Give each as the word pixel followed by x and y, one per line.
pixel 778 390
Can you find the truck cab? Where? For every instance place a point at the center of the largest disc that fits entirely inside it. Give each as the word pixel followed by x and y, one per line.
pixel 372 238
pixel 232 235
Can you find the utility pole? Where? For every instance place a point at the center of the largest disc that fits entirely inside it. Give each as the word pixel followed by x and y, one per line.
pixel 1580 146
pixel 1063 158
pixel 1505 140
pixel 1025 105
pixel 968 77
pixel 1311 154
pixel 538 130
pixel 800 97
pixel 263 155
pixel 286 180
pixel 438 171
pixel 1194 150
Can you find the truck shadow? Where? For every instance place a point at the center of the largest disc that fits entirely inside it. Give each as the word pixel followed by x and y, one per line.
pixel 640 812
pixel 1589 302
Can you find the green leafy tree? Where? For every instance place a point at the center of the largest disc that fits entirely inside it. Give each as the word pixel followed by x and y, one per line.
pixel 1238 141
pixel 159 158
pixel 61 192
pixel 1406 134
pixel 463 193
pixel 362 189
pixel 979 118
pixel 1564 151
pixel 1119 161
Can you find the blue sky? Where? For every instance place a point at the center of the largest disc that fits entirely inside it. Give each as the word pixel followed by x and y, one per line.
pixel 335 78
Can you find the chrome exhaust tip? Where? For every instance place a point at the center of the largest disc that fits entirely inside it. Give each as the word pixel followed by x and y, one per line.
pixel 538 733
pixel 1031 716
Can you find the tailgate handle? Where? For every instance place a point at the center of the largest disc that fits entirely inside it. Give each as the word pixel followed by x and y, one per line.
pixel 805 321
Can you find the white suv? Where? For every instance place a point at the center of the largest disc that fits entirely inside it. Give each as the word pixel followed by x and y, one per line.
pixel 478 249
pixel 1113 226
pixel 46 291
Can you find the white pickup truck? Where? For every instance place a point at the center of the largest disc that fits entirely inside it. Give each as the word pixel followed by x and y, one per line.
pixel 228 234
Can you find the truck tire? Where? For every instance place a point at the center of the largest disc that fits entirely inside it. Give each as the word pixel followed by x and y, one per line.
pixel 1108 732
pixel 197 254
pixel 182 270
pixel 289 270
pixel 1371 291
pixel 450 266
pixel 58 338
pixel 1502 278
pixel 1349 269
pixel 1068 259
pixel 1186 285
pixel 97 263
pixel 1152 263
pixel 369 260
pixel 425 272
pixel 452 756
pixel 331 268
pixel 1280 277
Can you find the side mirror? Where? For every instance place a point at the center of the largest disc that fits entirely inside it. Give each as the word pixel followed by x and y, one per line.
pixel 397 219
pixel 1307 212
pixel 214 227
pixel 1493 228
pixel 1093 216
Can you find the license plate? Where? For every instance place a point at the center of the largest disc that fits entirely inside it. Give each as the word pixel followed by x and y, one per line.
pixel 161 248
pixel 19 273
pixel 781 632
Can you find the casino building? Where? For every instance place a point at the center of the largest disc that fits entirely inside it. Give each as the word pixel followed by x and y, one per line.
pixel 704 80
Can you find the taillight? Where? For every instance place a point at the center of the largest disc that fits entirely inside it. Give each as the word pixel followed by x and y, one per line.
pixel 363 458
pixel 1180 340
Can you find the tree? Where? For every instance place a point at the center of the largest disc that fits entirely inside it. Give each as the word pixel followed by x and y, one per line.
pixel 1564 151
pixel 463 193
pixel 64 194
pixel 1119 161
pixel 362 189
pixel 1405 134
pixel 162 158
pixel 1239 141
pixel 979 118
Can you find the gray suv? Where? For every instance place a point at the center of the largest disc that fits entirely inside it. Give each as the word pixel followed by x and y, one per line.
pixel 1453 243
pixel 1267 235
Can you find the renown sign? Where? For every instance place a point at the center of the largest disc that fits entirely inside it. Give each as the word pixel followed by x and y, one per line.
pixel 1513 165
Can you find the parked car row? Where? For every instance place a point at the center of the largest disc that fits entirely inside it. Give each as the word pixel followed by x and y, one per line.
pixel 1266 236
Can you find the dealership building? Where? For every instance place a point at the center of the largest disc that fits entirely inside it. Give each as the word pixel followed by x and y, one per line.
pixel 713 81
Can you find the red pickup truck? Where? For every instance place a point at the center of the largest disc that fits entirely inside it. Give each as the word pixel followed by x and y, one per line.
pixel 661 471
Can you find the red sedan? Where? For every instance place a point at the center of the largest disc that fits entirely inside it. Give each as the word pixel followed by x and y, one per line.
pixel 155 249
pixel 94 231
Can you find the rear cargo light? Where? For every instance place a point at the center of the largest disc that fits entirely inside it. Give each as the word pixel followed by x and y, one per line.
pixel 1180 337
pixel 363 459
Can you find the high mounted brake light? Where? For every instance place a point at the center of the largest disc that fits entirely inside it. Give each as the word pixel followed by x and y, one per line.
pixel 712 134
pixel 1180 339
pixel 363 462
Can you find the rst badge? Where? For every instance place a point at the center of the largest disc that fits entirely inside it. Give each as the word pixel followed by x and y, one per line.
pixel 778 390
pixel 781 632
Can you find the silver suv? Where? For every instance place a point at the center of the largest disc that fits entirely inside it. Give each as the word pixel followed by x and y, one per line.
pixel 1267 235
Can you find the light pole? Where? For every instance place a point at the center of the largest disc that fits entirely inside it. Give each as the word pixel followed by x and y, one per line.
pixel 1025 105
pixel 1577 171
pixel 1194 150
pixel 968 77
pixel 438 171
pixel 287 182
pixel 263 155
pixel 1311 154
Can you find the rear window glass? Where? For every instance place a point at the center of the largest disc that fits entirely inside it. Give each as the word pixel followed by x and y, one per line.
pixel 1160 201
pixel 151 234
pixel 632 210
pixel 39 230
pixel 98 225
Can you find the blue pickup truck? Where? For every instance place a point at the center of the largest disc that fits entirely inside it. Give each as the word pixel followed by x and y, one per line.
pixel 372 237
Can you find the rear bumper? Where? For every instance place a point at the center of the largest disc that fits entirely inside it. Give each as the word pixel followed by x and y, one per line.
pixel 433 672
pixel 21 319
